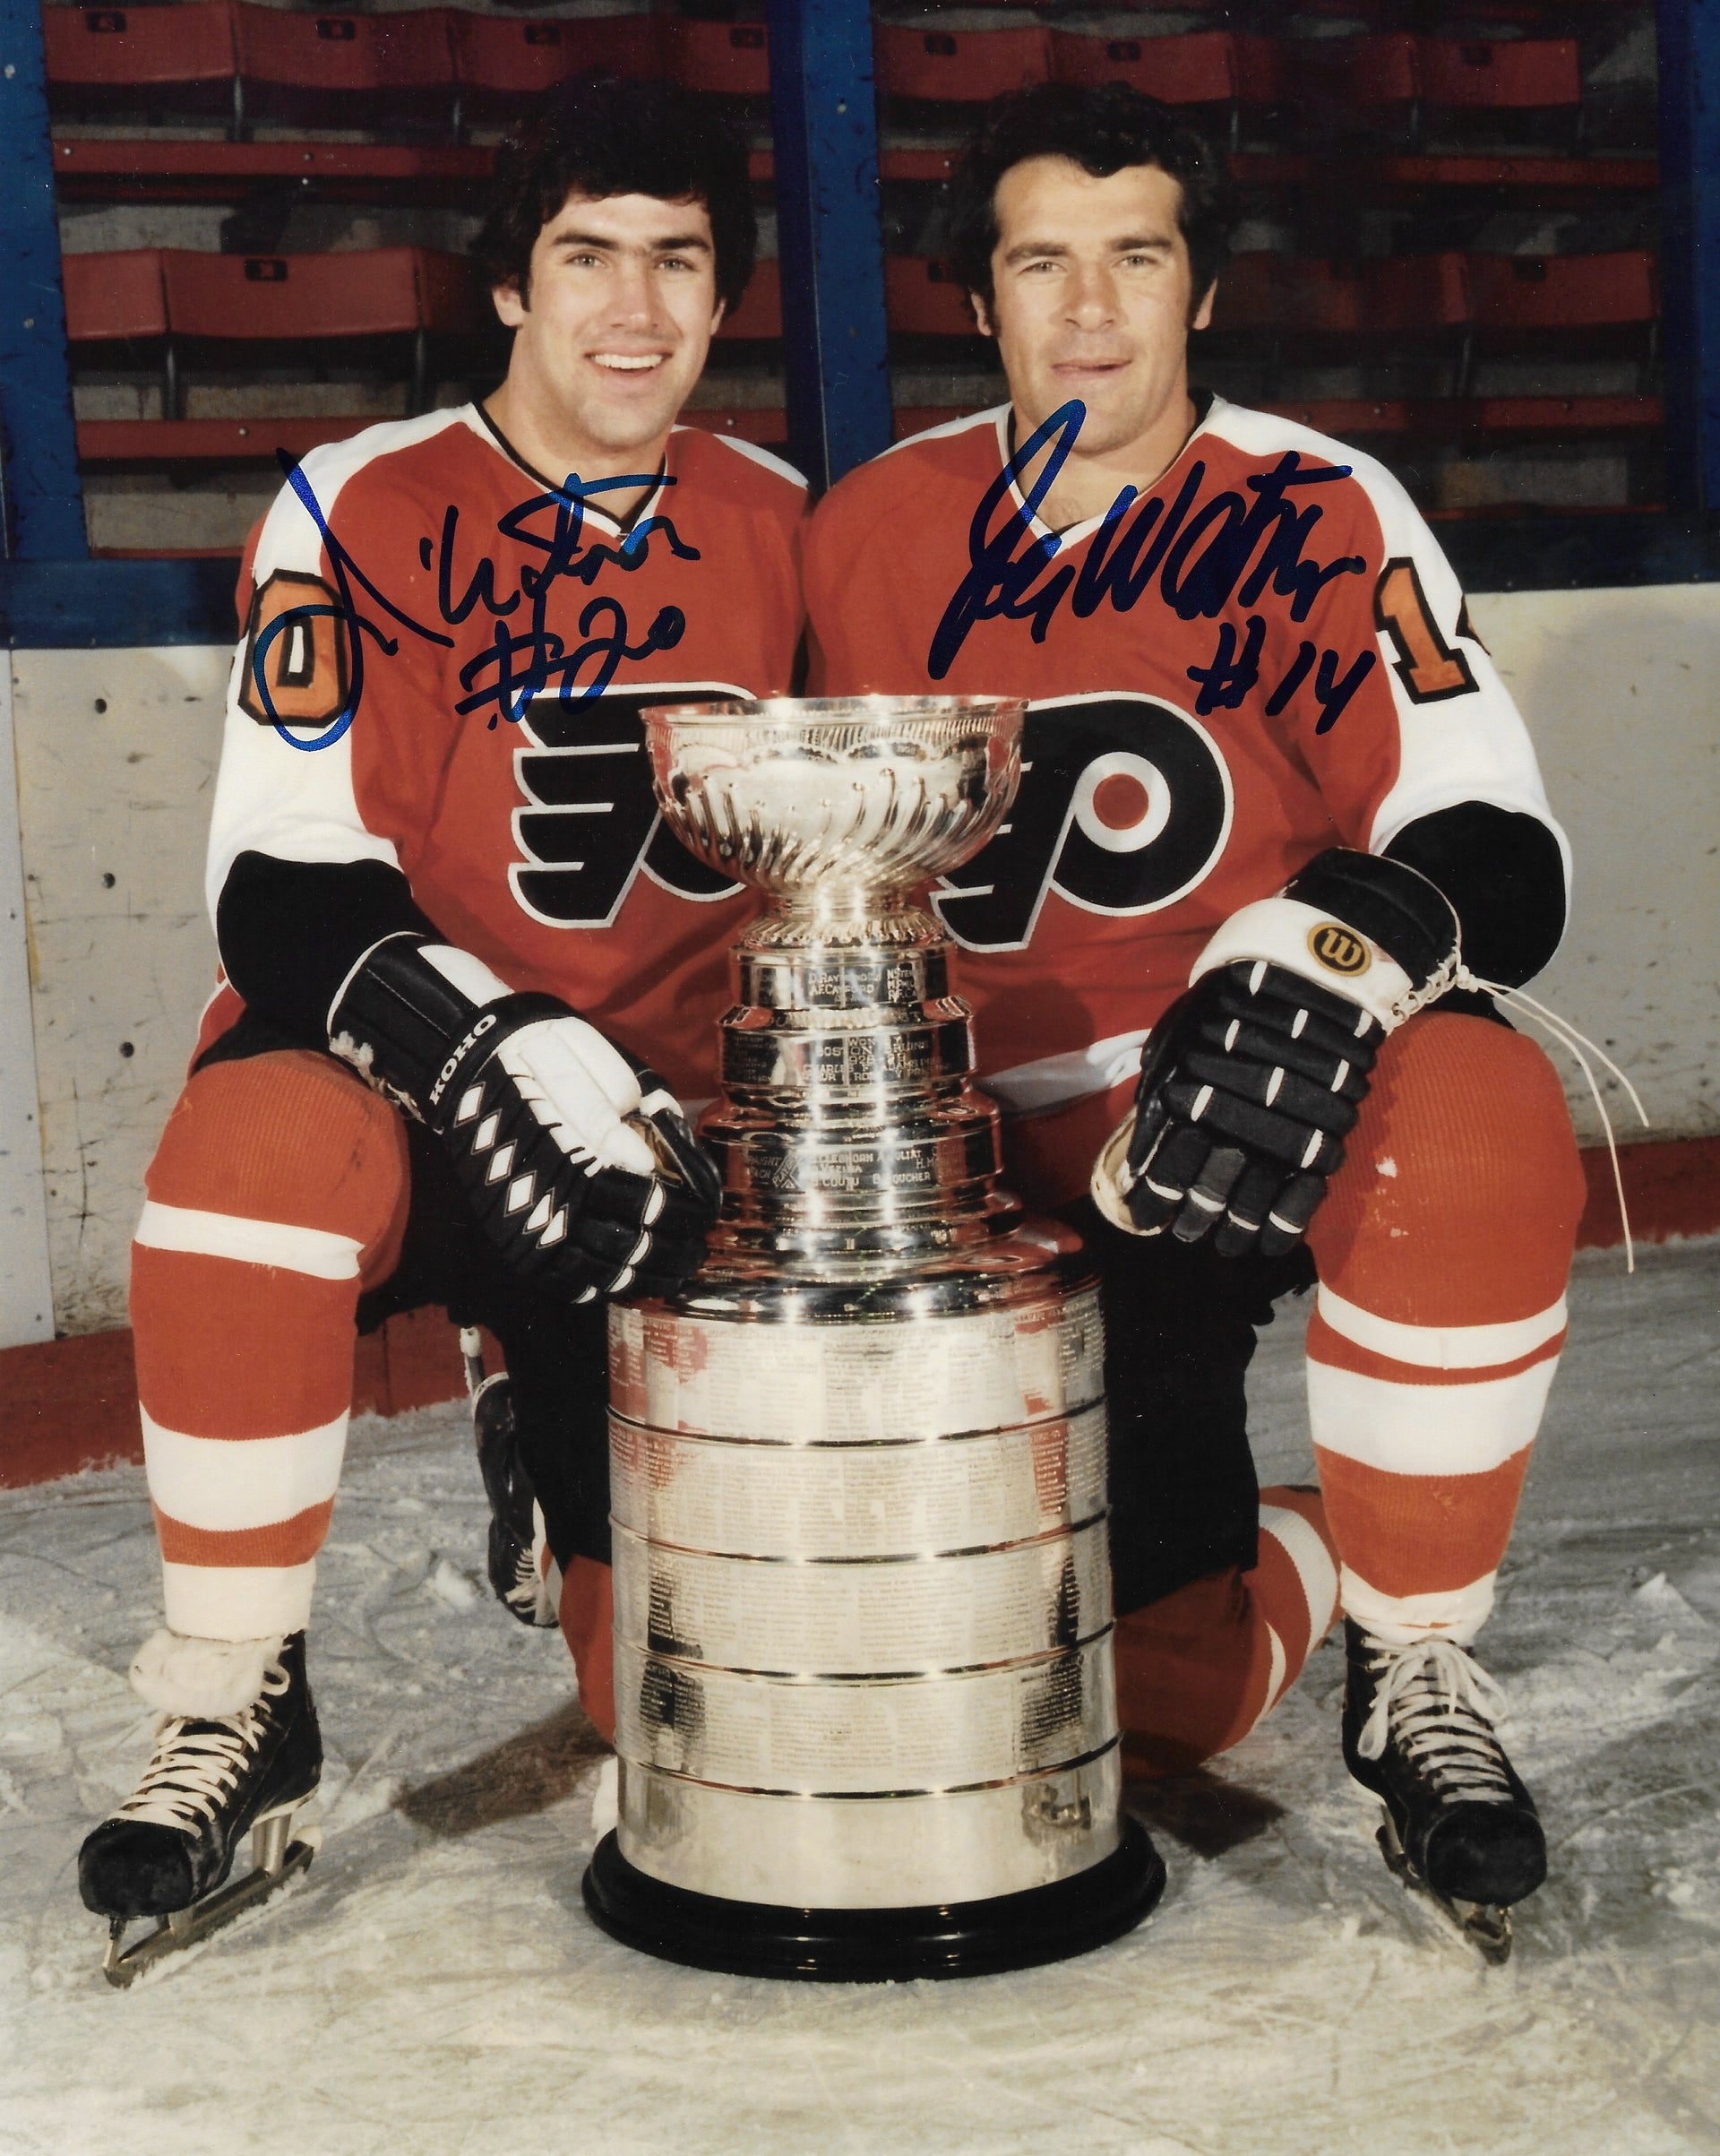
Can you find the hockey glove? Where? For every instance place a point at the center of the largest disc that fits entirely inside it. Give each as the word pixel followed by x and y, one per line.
pixel 577 1162
pixel 1250 1081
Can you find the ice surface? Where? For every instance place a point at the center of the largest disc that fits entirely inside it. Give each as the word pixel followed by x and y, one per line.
pixel 433 1985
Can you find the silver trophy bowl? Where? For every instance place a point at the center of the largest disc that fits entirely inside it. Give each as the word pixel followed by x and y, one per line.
pixel 864 1704
pixel 826 801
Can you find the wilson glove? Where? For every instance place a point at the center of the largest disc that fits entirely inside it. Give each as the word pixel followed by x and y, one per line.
pixel 1252 1080
pixel 577 1162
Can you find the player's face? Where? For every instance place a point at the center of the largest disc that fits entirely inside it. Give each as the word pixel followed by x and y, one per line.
pixel 1093 297
pixel 619 315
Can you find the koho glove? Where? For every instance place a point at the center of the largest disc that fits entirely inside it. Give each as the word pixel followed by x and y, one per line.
pixel 1250 1081
pixel 576 1160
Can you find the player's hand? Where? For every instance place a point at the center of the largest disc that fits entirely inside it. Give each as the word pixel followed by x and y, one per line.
pixel 577 1162
pixel 1251 1082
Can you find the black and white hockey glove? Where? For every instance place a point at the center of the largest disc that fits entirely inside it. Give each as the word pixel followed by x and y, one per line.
pixel 577 1162
pixel 1250 1081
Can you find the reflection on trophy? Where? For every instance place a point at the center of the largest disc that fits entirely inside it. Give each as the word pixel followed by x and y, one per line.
pixel 865 1710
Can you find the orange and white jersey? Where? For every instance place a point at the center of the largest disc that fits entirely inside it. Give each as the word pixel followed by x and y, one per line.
pixel 1264 654
pixel 443 664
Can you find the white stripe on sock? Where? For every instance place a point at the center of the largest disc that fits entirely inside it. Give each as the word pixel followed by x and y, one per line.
pixel 1457 1613
pixel 237 1601
pixel 1299 1542
pixel 1441 1347
pixel 1410 1430
pixel 225 1483
pixel 316 1251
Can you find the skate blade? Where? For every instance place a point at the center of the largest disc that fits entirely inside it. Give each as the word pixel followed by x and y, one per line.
pixel 277 1861
pixel 1486 1925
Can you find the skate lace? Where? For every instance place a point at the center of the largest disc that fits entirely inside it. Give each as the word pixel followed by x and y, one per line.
pixel 198 1759
pixel 1439 1707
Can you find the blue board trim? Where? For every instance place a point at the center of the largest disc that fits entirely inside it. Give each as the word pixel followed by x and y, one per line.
pixel 835 344
pixel 41 517
pixel 1688 35
pixel 107 604
pixel 117 605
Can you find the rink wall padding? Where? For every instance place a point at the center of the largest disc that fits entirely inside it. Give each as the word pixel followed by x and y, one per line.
pixel 70 1404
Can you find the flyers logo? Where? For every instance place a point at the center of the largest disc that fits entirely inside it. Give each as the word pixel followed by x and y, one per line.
pixel 1124 808
pixel 296 663
pixel 1339 949
pixel 590 826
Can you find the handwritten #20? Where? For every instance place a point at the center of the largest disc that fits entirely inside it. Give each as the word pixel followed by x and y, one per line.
pixel 524 659
pixel 1202 563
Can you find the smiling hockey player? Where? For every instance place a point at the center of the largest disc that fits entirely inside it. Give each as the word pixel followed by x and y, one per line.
pixel 1274 799
pixel 458 951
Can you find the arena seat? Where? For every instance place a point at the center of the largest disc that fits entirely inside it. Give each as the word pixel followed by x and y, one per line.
pixel 758 316
pixel 1526 294
pixel 1211 68
pixel 727 59
pixel 121 299
pixel 108 61
pixel 112 296
pixel 1523 74
pixel 278 299
pixel 923 299
pixel 345 70
pixel 929 65
pixel 499 60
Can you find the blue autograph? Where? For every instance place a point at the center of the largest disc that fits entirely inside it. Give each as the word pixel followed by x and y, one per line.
pixel 1228 550
pixel 525 658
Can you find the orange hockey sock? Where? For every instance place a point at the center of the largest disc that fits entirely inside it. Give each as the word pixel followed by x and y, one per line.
pixel 1443 1249
pixel 278 1191
pixel 1197 1669
pixel 587 1625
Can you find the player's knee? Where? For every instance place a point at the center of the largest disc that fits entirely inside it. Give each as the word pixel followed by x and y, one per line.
pixel 1464 1143
pixel 289 1138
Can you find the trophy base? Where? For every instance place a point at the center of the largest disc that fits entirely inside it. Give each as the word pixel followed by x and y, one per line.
pixel 877 1945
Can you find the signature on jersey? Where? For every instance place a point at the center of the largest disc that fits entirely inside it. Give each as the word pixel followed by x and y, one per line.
pixel 525 657
pixel 1227 551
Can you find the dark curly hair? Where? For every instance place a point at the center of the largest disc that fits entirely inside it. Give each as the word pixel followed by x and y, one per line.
pixel 1101 128
pixel 605 134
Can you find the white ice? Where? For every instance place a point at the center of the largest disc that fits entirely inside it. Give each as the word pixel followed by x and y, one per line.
pixel 433 1985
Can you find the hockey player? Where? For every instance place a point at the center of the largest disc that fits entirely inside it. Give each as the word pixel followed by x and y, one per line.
pixel 1274 800
pixel 468 979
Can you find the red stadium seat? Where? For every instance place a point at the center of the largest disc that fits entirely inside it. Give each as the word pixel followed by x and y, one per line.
pixel 1400 296
pixel 111 297
pixel 366 292
pixel 957 66
pixel 1377 70
pixel 1520 75
pixel 1205 67
pixel 1523 294
pixel 729 59
pixel 621 45
pixel 501 60
pixel 759 313
pixel 334 70
pixel 105 59
pixel 923 299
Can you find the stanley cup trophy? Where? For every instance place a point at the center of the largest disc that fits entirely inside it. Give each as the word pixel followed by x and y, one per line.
pixel 865 1710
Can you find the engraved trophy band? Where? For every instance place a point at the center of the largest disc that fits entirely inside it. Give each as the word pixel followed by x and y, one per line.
pixel 865 1710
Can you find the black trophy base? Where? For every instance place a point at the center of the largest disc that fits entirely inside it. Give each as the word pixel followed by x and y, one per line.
pixel 877 1945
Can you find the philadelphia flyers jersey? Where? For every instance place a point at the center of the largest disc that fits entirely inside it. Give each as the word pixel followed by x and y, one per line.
pixel 1263 654
pixel 442 669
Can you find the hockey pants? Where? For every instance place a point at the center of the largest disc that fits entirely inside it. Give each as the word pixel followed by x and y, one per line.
pixel 288 1205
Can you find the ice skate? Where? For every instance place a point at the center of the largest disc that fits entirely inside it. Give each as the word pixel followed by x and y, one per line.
pixel 1459 1826
pixel 168 1850
pixel 516 1526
